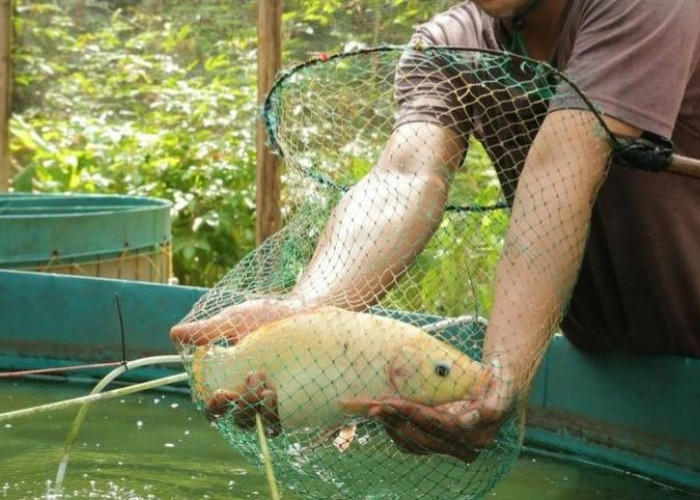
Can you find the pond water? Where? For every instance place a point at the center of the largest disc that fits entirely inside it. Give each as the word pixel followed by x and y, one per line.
pixel 156 446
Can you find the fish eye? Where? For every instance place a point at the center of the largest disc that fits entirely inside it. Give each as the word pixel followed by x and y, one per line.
pixel 442 369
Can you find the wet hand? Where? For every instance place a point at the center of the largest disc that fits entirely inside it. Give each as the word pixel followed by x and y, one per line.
pixel 460 429
pixel 255 395
pixel 235 322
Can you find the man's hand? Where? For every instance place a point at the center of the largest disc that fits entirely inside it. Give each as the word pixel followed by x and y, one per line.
pixel 460 429
pixel 255 395
pixel 235 322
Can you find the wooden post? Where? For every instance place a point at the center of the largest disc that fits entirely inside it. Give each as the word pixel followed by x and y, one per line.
pixel 268 170
pixel 79 13
pixel 5 91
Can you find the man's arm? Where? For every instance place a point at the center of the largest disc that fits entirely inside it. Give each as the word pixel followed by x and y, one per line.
pixel 382 223
pixel 545 241
pixel 372 237
pixel 534 279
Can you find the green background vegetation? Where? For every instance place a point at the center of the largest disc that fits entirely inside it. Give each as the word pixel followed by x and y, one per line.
pixel 158 98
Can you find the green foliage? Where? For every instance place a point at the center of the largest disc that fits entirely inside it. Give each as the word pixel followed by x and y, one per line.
pixel 337 25
pixel 146 107
pixel 158 98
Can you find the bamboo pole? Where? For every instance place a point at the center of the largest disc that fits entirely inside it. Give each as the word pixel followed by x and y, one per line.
pixel 268 171
pixel 5 91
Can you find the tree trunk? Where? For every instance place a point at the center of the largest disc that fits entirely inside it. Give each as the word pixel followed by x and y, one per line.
pixel 79 14
pixel 268 171
pixel 5 91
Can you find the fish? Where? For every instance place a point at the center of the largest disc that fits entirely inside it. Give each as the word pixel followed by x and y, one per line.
pixel 321 363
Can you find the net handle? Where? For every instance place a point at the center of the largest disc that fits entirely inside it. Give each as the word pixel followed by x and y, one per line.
pixel 683 165
pixel 652 153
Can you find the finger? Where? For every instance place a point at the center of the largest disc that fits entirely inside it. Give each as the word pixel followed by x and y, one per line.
pixel 403 440
pixel 205 331
pixel 253 381
pixel 247 406
pixel 417 441
pixel 412 439
pixel 190 334
pixel 257 398
pixel 404 444
pixel 469 419
pixel 268 411
pixel 479 417
pixel 448 417
pixel 218 404
pixel 359 406
pixel 345 437
pixel 244 414
pixel 458 407
pixel 489 414
pixel 418 428
pixel 232 324
pixel 253 385
pixel 484 433
pixel 374 410
pixel 427 418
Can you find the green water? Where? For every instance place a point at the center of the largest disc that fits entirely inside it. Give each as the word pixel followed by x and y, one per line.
pixel 156 446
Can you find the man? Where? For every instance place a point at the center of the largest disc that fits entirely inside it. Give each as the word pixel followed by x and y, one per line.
pixel 633 281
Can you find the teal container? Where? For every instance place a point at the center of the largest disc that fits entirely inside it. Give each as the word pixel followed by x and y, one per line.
pixel 109 236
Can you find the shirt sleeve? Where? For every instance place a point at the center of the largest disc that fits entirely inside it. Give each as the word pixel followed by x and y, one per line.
pixel 633 59
pixel 428 84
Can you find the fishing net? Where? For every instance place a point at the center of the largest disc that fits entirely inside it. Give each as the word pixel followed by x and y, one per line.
pixel 401 169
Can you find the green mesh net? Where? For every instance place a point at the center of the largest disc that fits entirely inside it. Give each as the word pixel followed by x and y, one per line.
pixel 401 171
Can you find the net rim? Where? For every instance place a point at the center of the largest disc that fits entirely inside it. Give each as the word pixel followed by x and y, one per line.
pixel 272 126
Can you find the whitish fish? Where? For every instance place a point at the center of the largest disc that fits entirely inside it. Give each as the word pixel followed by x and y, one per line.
pixel 319 362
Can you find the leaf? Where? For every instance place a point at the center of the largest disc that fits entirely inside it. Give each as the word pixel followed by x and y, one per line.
pixel 22 180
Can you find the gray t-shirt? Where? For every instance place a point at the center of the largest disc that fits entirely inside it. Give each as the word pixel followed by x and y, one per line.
pixel 637 61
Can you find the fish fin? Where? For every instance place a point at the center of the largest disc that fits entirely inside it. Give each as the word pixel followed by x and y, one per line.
pixel 357 406
pixel 345 437
pixel 325 435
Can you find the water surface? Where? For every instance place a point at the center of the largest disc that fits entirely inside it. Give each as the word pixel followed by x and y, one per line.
pixel 157 446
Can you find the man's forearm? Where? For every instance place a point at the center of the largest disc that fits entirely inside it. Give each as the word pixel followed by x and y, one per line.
pixel 545 241
pixel 385 221
pixel 372 237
